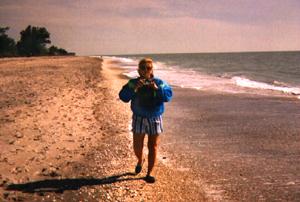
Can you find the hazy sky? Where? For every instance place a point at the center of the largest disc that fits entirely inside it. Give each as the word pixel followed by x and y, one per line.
pixel 159 26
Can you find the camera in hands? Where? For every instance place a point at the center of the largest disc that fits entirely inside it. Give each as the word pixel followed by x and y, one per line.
pixel 147 81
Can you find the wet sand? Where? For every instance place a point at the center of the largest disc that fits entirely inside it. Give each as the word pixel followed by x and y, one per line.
pixel 239 147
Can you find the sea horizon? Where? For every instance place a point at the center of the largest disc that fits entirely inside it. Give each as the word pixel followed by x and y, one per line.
pixel 208 52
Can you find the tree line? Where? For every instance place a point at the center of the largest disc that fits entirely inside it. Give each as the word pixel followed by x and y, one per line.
pixel 33 42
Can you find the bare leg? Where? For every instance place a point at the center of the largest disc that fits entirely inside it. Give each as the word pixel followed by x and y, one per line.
pixel 138 144
pixel 152 146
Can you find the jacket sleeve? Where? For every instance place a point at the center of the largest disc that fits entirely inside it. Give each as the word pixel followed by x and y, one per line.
pixel 127 91
pixel 164 92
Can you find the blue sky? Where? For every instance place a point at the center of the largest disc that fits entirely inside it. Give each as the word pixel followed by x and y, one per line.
pixel 90 27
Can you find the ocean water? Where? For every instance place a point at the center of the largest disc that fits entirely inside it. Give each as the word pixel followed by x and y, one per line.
pixel 227 72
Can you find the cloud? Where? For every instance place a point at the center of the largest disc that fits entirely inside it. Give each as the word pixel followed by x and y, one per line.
pixel 111 26
pixel 239 11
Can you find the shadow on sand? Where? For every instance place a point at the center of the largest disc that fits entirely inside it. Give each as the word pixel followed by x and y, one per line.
pixel 61 185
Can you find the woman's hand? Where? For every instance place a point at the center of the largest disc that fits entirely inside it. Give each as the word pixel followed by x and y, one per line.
pixel 138 84
pixel 153 85
pixel 142 82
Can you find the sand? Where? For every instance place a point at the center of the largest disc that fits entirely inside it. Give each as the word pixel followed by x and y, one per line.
pixel 241 147
pixel 64 136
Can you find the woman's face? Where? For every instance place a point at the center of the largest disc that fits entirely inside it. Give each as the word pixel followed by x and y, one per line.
pixel 146 73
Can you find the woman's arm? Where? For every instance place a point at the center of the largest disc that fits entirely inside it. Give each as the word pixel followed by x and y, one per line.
pixel 164 92
pixel 127 91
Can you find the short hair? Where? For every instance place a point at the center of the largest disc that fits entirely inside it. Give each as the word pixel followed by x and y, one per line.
pixel 146 63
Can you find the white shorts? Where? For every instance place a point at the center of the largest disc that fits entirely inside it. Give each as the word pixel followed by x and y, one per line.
pixel 150 126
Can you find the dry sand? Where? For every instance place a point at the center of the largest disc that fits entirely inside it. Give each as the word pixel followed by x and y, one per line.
pixel 64 136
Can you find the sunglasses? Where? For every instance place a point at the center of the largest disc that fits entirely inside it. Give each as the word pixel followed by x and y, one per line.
pixel 147 68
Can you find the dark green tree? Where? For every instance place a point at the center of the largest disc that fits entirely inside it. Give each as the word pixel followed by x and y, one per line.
pixel 33 41
pixel 53 50
pixel 7 45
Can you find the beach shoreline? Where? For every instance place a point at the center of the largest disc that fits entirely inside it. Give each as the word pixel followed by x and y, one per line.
pixel 65 136
pixel 237 146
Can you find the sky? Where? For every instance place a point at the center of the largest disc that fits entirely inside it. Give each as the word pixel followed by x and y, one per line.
pixel 109 27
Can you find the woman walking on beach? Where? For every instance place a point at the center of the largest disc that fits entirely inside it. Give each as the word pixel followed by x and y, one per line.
pixel 147 95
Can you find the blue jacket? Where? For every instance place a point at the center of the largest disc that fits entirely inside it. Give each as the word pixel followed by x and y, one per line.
pixel 163 94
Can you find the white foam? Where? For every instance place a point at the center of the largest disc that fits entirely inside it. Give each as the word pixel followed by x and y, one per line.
pixel 197 88
pixel 132 74
pixel 244 82
pixel 127 61
pixel 184 78
pixel 189 78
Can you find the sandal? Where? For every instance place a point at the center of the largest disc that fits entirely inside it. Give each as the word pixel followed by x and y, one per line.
pixel 149 179
pixel 138 167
